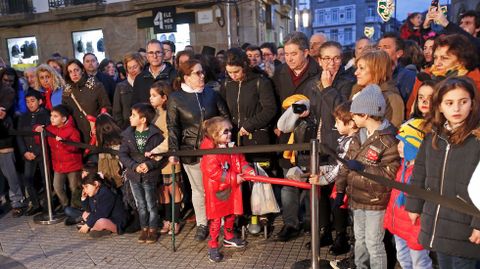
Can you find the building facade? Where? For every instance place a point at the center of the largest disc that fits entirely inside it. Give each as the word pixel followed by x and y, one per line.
pixel 112 28
pixel 345 20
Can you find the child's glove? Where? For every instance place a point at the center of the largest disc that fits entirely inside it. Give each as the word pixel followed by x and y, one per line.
pixel 355 165
pixel 338 202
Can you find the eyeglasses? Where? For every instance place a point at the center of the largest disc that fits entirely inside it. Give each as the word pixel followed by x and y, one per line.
pixel 227 131
pixel 198 73
pixel 155 53
pixel 328 59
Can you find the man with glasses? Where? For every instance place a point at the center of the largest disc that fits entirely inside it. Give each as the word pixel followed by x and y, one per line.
pixel 155 70
pixel 269 53
pixel 168 52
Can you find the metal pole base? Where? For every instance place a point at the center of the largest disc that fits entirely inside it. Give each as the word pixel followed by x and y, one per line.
pixel 45 219
pixel 307 264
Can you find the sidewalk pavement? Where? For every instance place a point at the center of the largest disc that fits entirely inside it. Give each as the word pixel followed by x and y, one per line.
pixel 24 244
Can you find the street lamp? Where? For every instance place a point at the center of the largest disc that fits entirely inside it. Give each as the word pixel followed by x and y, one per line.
pixel 305 18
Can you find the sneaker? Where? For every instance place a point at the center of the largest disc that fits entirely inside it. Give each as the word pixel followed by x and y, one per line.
pixel 202 233
pixel 176 227
pixel 98 234
pixel 346 263
pixel 214 255
pixel 17 212
pixel 234 243
pixel 143 235
pixel 166 227
pixel 152 236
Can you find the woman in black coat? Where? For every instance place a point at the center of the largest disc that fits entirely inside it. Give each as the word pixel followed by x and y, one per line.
pixel 250 99
pixel 187 108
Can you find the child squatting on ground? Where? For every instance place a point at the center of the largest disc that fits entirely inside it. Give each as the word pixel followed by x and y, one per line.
pixel 222 175
pixel 104 212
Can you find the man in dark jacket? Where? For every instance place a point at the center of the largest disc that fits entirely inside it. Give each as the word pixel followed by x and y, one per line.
pixel 404 78
pixel 156 70
pixel 293 78
pixel 90 63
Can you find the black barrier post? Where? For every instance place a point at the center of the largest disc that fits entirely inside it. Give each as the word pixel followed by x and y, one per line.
pixel 50 217
pixel 314 197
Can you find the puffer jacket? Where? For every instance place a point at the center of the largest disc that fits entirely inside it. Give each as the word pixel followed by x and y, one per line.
pixel 185 114
pixel 446 171
pixel 223 195
pixel 65 158
pixel 380 157
pixel 251 102
pixel 92 97
pixel 122 102
pixel 396 217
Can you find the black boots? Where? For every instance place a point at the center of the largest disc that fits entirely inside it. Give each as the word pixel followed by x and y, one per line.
pixel 341 245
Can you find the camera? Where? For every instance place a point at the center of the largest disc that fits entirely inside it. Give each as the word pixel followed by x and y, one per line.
pixel 299 108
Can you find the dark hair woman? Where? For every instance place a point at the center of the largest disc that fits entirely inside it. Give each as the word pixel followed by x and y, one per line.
pixel 85 95
pixel 187 108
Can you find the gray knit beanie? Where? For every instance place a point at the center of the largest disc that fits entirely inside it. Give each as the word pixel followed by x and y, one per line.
pixel 369 101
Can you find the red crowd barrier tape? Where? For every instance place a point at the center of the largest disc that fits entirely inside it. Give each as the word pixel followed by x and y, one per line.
pixel 278 181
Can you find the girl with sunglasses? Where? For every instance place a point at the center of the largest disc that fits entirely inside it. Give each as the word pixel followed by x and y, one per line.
pixel 222 175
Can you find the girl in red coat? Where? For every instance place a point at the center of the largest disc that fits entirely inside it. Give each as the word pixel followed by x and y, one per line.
pixel 410 254
pixel 66 159
pixel 221 179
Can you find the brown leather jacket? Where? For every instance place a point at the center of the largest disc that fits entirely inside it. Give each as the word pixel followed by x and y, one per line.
pixel 380 156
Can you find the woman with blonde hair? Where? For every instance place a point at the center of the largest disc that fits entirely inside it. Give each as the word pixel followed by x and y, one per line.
pixel 50 84
pixel 375 67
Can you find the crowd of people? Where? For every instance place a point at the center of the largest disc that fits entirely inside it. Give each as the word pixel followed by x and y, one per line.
pixel 404 107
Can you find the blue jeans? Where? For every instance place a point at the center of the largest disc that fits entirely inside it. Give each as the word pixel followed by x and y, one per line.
pixel 145 195
pixel 369 233
pixel 409 258
pixel 7 166
pixel 452 262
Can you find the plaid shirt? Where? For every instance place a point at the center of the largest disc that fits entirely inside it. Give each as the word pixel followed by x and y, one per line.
pixel 328 173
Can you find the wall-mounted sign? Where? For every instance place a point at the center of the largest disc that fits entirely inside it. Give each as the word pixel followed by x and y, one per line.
pixel 204 16
pixel 164 20
pixel 90 41
pixel 22 52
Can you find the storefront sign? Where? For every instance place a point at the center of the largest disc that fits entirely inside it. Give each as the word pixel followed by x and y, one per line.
pixel 164 20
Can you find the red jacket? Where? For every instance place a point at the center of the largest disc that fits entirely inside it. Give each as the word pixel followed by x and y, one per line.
pixel 396 218
pixel 65 158
pixel 223 196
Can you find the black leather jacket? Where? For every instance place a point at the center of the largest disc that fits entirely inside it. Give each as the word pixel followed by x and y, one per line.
pixel 185 114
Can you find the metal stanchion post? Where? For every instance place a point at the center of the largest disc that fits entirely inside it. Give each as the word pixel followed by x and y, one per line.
pixel 314 196
pixel 50 217
pixel 173 209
